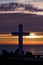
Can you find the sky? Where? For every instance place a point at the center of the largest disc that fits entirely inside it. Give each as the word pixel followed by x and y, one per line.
pixel 9 23
pixel 36 3
pixel 31 39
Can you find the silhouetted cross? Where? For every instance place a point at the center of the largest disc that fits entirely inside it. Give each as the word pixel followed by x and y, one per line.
pixel 20 34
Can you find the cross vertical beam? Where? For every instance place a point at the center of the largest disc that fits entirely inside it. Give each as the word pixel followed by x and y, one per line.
pixel 20 40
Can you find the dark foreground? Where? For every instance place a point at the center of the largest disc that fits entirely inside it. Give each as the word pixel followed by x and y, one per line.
pixel 19 61
pixel 13 58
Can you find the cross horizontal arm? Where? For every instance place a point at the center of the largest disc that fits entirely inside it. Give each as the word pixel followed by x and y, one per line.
pixel 25 33
pixel 15 33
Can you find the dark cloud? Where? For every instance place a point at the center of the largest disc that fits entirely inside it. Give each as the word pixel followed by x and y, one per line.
pixel 13 6
pixel 32 8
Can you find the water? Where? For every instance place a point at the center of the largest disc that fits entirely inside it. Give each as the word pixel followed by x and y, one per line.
pixel 35 49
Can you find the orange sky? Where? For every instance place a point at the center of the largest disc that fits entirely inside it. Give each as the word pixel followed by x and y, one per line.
pixel 32 39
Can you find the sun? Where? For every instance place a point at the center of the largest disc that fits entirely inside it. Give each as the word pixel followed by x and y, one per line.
pixel 32 35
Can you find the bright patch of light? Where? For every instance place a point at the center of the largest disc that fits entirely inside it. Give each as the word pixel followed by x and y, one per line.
pixel 22 11
pixel 32 34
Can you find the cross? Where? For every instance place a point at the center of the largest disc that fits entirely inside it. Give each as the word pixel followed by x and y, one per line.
pixel 20 34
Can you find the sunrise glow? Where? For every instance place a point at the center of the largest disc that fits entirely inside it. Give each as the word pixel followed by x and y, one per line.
pixel 33 38
pixel 33 35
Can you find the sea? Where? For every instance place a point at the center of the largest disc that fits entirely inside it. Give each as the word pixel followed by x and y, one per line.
pixel 35 49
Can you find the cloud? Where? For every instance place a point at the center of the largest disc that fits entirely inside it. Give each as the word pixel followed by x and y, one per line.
pixel 32 8
pixel 37 3
pixel 9 6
